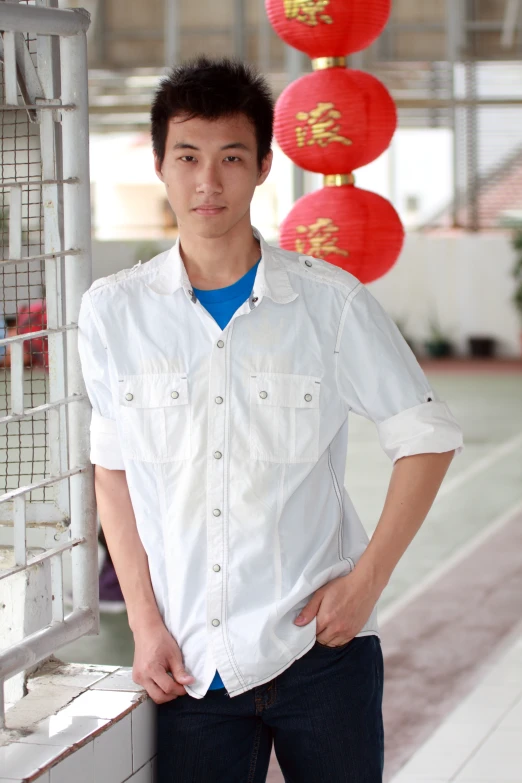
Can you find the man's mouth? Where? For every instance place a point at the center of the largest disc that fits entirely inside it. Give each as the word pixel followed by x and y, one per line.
pixel 208 209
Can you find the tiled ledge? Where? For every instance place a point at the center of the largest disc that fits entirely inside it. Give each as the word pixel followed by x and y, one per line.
pixel 79 722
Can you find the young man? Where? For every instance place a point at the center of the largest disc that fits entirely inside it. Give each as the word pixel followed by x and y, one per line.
pixel 221 374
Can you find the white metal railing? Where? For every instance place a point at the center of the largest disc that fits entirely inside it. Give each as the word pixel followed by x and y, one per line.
pixel 62 117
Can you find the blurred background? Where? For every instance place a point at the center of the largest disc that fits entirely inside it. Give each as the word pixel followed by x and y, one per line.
pixel 451 614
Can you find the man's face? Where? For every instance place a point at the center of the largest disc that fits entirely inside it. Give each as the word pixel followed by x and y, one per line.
pixel 210 172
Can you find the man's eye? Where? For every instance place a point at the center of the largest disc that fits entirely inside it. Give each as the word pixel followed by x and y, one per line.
pixel 232 158
pixel 188 158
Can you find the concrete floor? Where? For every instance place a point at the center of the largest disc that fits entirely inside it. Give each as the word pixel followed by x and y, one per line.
pixel 483 488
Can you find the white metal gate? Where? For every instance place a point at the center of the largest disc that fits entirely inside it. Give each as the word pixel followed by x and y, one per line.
pixel 45 222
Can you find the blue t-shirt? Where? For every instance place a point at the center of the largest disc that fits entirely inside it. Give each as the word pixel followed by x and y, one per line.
pixel 222 303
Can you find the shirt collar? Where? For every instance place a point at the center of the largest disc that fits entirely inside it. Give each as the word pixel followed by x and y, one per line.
pixel 271 279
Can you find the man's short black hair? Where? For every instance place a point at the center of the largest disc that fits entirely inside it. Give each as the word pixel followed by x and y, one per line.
pixel 212 89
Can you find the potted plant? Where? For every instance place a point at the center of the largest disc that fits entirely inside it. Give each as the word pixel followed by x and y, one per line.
pixel 438 346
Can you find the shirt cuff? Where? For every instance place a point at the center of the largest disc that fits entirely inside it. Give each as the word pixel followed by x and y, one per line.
pixel 105 445
pixel 426 428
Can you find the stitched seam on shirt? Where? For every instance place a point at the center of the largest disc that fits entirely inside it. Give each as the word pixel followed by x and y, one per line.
pixel 337 491
pixel 226 640
pixel 349 299
pixel 141 271
pixel 320 278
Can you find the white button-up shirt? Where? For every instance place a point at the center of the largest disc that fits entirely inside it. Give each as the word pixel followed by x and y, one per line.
pixel 234 444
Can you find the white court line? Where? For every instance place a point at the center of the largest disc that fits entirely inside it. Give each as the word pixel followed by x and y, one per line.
pixel 481 464
pixel 465 551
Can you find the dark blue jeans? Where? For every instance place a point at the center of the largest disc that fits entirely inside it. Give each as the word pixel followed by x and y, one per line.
pixel 323 715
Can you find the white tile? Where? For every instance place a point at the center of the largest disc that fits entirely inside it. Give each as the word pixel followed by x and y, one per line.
pixel 64 730
pixel 120 680
pixel 143 775
pixel 426 764
pixel 113 753
pixel 44 778
pixel 77 767
pixel 408 779
pixel 143 733
pixel 513 718
pixel 19 760
pixel 100 704
pixel 498 759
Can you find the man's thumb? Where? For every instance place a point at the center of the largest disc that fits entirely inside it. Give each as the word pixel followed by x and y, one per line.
pixel 308 612
pixel 181 675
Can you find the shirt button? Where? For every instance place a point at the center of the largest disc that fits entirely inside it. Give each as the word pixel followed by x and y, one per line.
pixel 263 395
pixel 215 622
pixel 220 343
pixel 255 298
pixel 216 567
pixel 308 397
pixel 219 400
pixel 191 292
pixel 218 454
pixel 308 263
pixel 217 512
pixel 174 394
pixel 129 396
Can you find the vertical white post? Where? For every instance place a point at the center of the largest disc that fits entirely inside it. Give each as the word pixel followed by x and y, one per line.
pixel 20 539
pixel 78 276
pixel 15 222
pixel 11 81
pixel 172 32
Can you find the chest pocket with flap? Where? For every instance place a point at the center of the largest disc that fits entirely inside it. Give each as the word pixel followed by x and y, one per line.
pixel 284 417
pixel 154 415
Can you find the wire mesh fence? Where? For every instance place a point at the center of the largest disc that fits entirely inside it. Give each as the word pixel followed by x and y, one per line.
pixel 24 448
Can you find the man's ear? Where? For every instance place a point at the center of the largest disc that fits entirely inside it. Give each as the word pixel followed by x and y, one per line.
pixel 266 165
pixel 157 167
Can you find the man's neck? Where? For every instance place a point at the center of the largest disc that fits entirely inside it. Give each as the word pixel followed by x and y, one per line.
pixel 219 262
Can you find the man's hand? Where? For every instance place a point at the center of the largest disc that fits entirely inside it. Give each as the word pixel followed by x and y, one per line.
pixel 155 654
pixel 342 607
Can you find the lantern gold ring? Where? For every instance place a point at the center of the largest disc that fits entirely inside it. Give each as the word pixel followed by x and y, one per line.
pixel 320 63
pixel 337 180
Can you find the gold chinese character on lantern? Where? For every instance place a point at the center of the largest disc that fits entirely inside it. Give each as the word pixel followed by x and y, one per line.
pixel 309 12
pixel 319 239
pixel 320 126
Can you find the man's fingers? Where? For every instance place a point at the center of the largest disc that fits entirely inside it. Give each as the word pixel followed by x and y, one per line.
pixel 167 684
pixel 157 694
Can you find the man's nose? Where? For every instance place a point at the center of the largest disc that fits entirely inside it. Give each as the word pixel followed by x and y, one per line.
pixel 210 181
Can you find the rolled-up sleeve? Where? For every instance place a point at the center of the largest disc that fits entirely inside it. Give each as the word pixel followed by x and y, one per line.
pixel 379 378
pixel 105 447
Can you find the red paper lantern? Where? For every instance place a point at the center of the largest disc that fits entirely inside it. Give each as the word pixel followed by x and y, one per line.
pixel 335 121
pixel 352 228
pixel 328 28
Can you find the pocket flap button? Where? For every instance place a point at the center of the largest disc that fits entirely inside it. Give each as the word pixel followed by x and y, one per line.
pixel 263 395
pixel 174 394
pixel 129 396
pixel 308 397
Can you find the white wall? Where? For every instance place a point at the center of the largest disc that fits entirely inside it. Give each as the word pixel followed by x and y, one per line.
pixel 464 281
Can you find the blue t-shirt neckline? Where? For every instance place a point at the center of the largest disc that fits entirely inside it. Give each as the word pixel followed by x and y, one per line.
pixel 228 292
pixel 222 303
